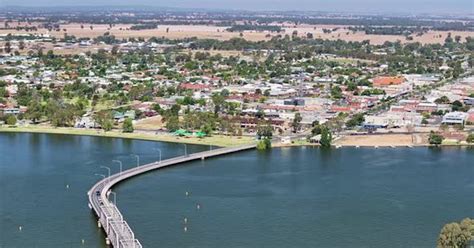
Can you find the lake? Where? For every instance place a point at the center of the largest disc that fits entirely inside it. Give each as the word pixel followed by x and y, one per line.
pixel 286 197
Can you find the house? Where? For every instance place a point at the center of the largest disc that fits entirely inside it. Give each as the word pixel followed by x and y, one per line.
pixel 426 107
pixel 11 111
pixel 469 100
pixel 455 118
pixel 86 122
pixel 130 114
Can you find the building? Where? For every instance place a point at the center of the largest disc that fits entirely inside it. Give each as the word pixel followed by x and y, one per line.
pixel 11 111
pixel 469 100
pixel 455 118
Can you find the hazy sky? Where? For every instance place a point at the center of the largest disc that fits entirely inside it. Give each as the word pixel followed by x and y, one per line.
pixel 409 6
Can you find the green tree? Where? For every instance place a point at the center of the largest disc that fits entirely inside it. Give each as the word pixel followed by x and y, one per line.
pixel 207 129
pixel 336 92
pixel 105 120
pixel 435 138
pixel 128 125
pixel 470 138
pixel 264 130
pixel 317 129
pixel 11 120
pixel 172 123
pixel 356 120
pixel 296 124
pixel 219 101
pixel 156 107
pixel 326 137
pixel 35 110
pixel 264 144
pixel 456 105
pixel 442 100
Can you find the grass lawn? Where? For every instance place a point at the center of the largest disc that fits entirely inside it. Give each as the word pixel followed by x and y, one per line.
pixel 215 140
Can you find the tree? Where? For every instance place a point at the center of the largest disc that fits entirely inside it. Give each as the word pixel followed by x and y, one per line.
pixel 326 137
pixel 264 131
pixel 218 100
pixel 7 47
pixel 11 120
pixel 435 139
pixel 21 45
pixel 296 124
pixel 470 138
pixel 35 110
pixel 356 120
pixel 351 86
pixel 128 125
pixel 105 120
pixel 207 129
pixel 336 92
pixel 264 144
pixel 456 235
pixel 317 129
pixel 457 105
pixel 172 123
pixel 442 100
pixel 156 107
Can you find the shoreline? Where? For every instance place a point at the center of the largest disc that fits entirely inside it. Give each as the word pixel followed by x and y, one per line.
pixel 215 140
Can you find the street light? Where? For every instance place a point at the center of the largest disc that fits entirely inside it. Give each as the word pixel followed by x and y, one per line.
pixel 185 150
pixel 115 197
pixel 120 163
pixel 159 150
pixel 105 167
pixel 138 159
pixel 103 176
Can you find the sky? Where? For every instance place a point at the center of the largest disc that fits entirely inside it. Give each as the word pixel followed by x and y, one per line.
pixel 392 6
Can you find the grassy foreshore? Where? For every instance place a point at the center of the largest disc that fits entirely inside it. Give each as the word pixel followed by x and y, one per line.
pixel 215 140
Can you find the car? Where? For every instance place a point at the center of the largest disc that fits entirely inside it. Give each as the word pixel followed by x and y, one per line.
pixel 97 193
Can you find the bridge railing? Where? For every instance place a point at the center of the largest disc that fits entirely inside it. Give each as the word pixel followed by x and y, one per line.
pixel 118 231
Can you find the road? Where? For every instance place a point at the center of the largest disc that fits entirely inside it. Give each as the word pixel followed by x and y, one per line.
pixel 118 232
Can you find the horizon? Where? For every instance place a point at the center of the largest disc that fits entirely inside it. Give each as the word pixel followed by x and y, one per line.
pixel 342 6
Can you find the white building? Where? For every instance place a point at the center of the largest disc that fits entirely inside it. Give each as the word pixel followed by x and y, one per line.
pixel 455 118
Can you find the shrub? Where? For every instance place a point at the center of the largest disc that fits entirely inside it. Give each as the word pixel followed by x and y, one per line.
pixel 435 139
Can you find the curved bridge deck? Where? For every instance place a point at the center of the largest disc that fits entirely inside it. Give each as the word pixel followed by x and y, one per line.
pixel 118 232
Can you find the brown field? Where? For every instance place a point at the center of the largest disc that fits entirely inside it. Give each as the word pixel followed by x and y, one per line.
pixel 151 123
pixel 214 32
pixel 383 140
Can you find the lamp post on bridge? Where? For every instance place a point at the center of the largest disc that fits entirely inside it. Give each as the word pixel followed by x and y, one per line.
pixel 159 150
pixel 138 159
pixel 120 163
pixel 103 176
pixel 115 197
pixel 185 150
pixel 108 169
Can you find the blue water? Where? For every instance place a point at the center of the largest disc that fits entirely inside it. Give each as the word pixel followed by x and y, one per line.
pixel 288 197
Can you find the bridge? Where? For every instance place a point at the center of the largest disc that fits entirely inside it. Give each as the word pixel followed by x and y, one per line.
pixel 118 232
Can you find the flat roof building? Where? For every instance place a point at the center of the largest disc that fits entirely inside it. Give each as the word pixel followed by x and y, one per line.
pixel 455 118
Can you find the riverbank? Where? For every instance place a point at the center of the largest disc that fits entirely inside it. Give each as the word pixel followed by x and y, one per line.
pixel 402 140
pixel 215 140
